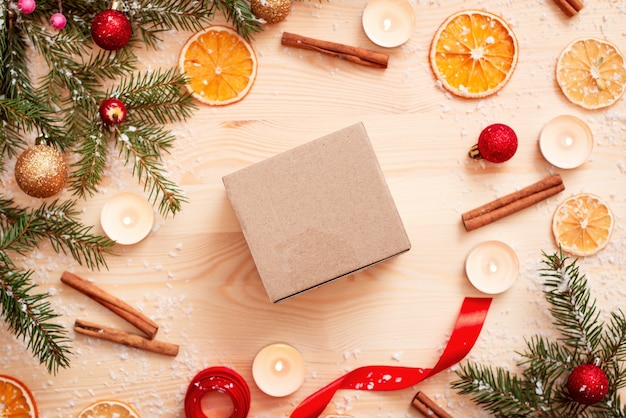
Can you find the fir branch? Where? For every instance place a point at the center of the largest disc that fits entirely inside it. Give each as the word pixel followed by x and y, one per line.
pixel 157 97
pixel 547 361
pixel 90 166
pixel 542 389
pixel 29 316
pixel 155 17
pixel 149 170
pixel 57 223
pixel 238 12
pixel 498 391
pixel 575 314
pixel 67 235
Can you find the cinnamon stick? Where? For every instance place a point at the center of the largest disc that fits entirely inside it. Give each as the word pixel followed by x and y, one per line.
pixel 121 308
pixel 512 203
pixel 349 53
pixel 570 7
pixel 428 407
pixel 121 337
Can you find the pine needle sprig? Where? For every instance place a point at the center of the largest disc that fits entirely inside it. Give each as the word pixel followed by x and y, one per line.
pixel 541 390
pixel 30 317
pixel 149 170
pixel 498 390
pixel 238 12
pixel 89 168
pixel 571 306
pixel 21 116
pixel 156 97
pixel 57 222
pixel 159 16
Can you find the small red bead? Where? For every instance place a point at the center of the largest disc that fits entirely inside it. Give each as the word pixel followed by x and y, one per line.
pixel 112 111
pixel 497 143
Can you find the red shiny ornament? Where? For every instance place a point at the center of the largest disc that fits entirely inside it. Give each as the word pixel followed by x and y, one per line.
pixel 497 143
pixel 112 111
pixel 111 30
pixel 587 384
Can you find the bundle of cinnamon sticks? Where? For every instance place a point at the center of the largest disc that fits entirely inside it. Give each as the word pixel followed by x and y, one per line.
pixel 512 203
pixel 428 407
pixel 349 53
pixel 570 7
pixel 147 326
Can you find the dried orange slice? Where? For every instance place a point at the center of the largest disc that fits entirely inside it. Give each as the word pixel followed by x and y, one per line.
pixel 582 224
pixel 221 66
pixel 473 53
pixel 16 400
pixel 591 73
pixel 108 409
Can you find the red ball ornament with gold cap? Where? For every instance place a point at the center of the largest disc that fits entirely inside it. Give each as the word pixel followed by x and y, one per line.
pixel 111 29
pixel 497 143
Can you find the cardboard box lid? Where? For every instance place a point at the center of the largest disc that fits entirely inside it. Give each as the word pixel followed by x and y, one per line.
pixel 316 213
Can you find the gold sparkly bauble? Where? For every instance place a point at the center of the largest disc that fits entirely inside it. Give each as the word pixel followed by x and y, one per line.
pixel 41 171
pixel 272 11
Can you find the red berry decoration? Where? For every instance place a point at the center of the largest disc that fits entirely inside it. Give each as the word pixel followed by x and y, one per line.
pixel 111 30
pixel 112 111
pixel 497 143
pixel 587 384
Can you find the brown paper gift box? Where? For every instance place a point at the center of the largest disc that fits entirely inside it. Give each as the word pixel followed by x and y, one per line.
pixel 316 213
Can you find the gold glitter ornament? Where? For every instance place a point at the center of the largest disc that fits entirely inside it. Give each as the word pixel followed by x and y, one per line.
pixel 41 171
pixel 272 11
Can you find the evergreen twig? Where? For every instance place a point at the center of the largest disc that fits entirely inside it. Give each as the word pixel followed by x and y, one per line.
pixel 541 390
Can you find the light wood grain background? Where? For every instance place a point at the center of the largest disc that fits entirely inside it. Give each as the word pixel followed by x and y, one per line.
pixel 194 274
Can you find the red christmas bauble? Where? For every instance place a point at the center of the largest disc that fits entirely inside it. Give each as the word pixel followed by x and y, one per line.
pixel 497 143
pixel 587 384
pixel 112 111
pixel 111 30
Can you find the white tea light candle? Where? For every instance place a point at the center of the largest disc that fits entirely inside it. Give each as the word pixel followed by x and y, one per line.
pixel 127 218
pixel 566 141
pixel 492 267
pixel 278 370
pixel 388 23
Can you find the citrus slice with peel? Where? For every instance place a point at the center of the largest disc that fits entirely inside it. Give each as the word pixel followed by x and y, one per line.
pixel 108 409
pixel 582 224
pixel 591 73
pixel 16 400
pixel 220 65
pixel 474 53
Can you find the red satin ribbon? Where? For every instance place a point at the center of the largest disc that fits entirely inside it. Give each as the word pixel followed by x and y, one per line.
pixel 466 331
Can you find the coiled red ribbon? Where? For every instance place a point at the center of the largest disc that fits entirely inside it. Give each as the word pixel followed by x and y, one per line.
pixel 466 331
pixel 217 379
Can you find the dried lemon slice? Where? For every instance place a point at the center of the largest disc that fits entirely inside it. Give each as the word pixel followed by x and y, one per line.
pixel 591 73
pixel 221 65
pixel 582 224
pixel 108 409
pixel 474 53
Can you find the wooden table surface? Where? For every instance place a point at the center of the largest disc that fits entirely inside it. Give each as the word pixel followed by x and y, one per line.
pixel 194 274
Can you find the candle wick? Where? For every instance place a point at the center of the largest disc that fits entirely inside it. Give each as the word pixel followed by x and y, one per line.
pixel 569 141
pixel 493 267
pixel 279 366
pixel 387 24
pixel 127 220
